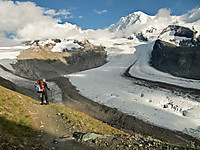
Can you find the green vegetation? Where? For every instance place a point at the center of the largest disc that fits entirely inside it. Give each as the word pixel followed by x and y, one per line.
pixel 80 121
pixel 16 124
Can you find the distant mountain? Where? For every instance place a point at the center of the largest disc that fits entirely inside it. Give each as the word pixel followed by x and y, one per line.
pixel 125 22
pixel 148 28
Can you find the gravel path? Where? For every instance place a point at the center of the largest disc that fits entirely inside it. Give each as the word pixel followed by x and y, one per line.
pixel 51 126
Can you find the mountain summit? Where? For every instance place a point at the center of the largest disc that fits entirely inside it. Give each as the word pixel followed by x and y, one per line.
pixel 133 18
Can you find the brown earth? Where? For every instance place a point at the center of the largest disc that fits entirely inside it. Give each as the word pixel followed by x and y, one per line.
pixel 51 126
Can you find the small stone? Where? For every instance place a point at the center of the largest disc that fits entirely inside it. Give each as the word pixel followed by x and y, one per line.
pixel 184 112
pixel 58 140
pixel 142 95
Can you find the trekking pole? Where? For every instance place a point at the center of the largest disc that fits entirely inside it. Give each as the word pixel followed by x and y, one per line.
pixel 51 93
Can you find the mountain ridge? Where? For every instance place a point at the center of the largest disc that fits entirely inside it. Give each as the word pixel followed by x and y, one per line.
pixel 151 26
pixel 128 20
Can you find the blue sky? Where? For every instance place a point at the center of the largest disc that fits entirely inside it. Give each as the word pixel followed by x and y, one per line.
pixel 99 14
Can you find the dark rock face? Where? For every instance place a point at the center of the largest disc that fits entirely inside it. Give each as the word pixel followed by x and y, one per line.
pixel 87 59
pixel 178 61
pixel 141 37
pixel 180 31
pixel 38 69
pixel 79 61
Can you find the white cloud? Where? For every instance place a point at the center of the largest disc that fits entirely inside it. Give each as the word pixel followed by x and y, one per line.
pixel 98 34
pixel 61 12
pixel 192 15
pixel 16 15
pixel 27 21
pixel 80 17
pixel 50 12
pixel 163 13
pixel 100 12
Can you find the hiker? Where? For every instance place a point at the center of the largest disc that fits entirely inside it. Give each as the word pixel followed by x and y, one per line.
pixel 44 92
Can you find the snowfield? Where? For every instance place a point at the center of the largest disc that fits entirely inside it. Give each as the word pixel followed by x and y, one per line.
pixel 107 86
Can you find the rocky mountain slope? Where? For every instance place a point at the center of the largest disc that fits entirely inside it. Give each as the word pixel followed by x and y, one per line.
pixel 178 55
pixel 36 62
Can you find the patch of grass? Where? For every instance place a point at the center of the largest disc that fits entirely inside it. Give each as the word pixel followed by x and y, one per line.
pixel 16 126
pixel 84 123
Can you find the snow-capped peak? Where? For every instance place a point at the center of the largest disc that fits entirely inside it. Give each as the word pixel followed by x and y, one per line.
pixel 139 24
pixel 125 22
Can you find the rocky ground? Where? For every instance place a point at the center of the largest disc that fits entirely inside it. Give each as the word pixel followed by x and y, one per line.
pixel 130 141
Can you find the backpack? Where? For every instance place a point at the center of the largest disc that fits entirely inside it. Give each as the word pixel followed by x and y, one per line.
pixel 39 86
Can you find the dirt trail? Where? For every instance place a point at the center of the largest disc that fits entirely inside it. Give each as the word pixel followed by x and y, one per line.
pixel 51 126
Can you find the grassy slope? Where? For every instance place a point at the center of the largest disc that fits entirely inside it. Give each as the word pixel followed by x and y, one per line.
pixel 80 121
pixel 17 124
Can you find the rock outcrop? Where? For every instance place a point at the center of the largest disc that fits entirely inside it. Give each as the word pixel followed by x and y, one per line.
pixel 180 31
pixel 43 53
pixel 182 61
pixel 177 51
pixel 40 61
